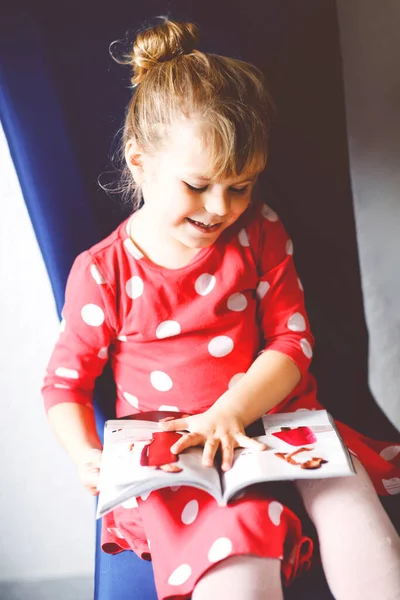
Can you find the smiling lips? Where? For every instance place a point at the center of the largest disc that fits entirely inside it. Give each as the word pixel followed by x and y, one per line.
pixel 204 227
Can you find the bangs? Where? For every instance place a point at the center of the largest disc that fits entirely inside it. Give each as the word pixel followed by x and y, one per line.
pixel 234 150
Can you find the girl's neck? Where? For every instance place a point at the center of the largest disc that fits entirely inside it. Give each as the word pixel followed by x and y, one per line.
pixel 167 253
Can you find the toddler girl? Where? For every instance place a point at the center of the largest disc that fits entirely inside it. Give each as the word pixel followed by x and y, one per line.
pixel 195 301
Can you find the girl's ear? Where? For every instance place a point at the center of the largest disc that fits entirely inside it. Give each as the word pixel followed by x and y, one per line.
pixel 134 160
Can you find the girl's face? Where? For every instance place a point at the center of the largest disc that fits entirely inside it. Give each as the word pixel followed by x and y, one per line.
pixel 183 202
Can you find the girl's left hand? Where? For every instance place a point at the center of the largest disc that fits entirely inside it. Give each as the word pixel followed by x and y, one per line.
pixel 212 429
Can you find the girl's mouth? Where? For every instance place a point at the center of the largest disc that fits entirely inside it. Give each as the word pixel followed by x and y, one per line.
pixel 204 227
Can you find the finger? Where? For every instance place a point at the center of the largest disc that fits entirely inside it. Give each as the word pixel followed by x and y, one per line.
pixel 210 449
pixel 96 458
pixel 175 425
pixel 187 441
pixel 227 453
pixel 92 490
pixel 246 442
pixel 165 419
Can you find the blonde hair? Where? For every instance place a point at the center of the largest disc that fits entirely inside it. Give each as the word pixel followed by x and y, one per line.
pixel 173 80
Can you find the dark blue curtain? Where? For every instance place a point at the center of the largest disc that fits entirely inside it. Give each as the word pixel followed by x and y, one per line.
pixel 62 102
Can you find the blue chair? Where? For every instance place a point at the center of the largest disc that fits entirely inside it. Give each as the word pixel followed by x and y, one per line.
pixel 56 98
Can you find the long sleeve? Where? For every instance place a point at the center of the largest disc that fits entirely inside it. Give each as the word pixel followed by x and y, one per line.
pixel 86 332
pixel 281 310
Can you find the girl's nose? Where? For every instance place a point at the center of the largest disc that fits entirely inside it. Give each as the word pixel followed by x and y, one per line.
pixel 217 203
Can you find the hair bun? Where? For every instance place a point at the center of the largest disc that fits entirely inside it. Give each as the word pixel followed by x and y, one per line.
pixel 161 44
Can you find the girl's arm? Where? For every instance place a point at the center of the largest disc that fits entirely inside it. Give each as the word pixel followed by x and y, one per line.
pixel 270 379
pixel 77 361
pixel 74 427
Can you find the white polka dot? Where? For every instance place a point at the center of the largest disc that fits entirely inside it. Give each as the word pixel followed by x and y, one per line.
pixel 63 325
pixel 274 511
pixel 390 452
pixel 300 284
pixel 168 407
pixel 392 486
pixel 235 379
pixel 131 503
pixel 93 315
pixel 175 488
pixel 145 496
pixel 131 399
pixel 190 512
pixel 168 329
pixel 134 287
pixel 160 381
pixel 220 346
pixel 220 549
pixel 303 410
pixel 243 238
pixel 237 302
pixel 122 338
pixel 132 249
pixel 115 531
pixel 297 322
pixel 305 346
pixel 68 373
pixel 289 247
pixel 269 214
pixel 180 575
pixel 62 386
pixel 204 284
pixel 262 289
pixel 96 274
pixel 103 352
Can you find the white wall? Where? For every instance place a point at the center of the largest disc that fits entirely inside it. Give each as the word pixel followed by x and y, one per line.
pixel 46 517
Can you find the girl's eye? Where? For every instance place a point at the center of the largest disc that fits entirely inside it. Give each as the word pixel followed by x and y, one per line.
pixel 239 190
pixel 199 190
pixel 196 189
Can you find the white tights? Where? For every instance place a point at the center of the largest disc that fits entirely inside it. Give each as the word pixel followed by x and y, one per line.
pixel 360 549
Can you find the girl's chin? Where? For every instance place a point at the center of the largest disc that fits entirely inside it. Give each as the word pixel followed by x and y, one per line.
pixel 193 243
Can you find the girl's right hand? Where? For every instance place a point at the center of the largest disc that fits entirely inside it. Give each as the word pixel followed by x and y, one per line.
pixel 89 469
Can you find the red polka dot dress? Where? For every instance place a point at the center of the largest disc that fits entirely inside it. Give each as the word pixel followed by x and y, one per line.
pixel 177 339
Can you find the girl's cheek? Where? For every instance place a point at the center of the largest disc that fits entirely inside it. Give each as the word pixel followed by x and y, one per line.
pixel 241 205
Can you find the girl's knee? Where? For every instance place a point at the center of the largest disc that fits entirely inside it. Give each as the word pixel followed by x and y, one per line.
pixel 242 576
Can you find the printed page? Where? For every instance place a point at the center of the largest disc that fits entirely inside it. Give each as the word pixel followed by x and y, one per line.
pixel 127 452
pixel 300 445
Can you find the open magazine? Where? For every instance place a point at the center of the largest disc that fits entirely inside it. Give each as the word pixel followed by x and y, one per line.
pixel 137 460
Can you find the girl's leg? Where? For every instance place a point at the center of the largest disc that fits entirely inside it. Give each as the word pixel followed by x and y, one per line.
pixel 238 577
pixel 360 549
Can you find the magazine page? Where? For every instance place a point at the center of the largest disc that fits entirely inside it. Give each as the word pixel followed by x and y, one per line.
pixel 137 459
pixel 300 445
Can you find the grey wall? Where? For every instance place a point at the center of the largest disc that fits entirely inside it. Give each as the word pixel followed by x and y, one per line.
pixel 370 42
